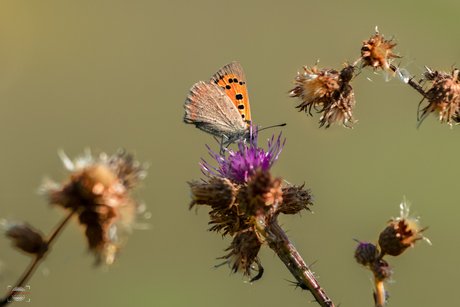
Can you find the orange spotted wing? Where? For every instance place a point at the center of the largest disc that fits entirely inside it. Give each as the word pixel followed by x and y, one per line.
pixel 221 106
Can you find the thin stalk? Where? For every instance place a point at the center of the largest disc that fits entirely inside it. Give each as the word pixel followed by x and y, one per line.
pixel 278 241
pixel 37 259
pixel 411 82
pixel 379 294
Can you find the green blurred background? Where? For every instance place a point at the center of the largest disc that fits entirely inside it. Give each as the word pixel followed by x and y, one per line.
pixel 115 74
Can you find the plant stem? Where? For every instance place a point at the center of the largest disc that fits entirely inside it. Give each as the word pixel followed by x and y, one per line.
pixel 279 242
pixel 37 259
pixel 379 295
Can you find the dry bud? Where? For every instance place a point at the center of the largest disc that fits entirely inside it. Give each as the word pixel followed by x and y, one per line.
pixel 295 199
pixel 26 239
pixel 366 254
pixel 376 52
pixel 218 192
pixel 98 190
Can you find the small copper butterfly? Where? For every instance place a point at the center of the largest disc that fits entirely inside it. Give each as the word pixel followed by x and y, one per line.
pixel 220 106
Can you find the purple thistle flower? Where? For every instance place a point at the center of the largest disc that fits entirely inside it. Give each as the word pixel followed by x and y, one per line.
pixel 242 164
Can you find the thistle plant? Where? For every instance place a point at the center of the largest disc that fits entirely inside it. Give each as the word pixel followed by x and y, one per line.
pixel 329 92
pixel 97 193
pixel 400 234
pixel 245 201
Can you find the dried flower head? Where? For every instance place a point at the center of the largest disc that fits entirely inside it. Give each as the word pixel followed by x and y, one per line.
pixel 376 52
pixel 244 250
pixel 98 191
pixel 402 233
pixel 239 166
pixel 329 92
pixel 443 96
pixel 366 254
pixel 315 87
pixel 26 239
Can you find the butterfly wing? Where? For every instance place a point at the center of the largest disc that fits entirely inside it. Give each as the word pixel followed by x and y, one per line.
pixel 210 109
pixel 232 80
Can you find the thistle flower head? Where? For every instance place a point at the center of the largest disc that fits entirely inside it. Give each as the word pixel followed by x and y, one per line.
pixel 98 191
pixel 443 96
pixel 376 52
pixel 240 165
pixel 403 232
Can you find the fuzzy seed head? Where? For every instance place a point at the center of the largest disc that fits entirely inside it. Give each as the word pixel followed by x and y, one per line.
pixel 99 191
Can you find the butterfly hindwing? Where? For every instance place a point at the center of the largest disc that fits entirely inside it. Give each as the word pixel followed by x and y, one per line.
pixel 232 80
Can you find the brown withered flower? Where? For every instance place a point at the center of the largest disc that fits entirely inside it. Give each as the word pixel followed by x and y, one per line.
pixel 26 239
pixel 315 87
pixel 443 96
pixel 329 92
pixel 403 232
pixel 98 190
pixel 376 52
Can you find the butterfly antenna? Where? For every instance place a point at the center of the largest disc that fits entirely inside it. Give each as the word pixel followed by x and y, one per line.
pixel 281 125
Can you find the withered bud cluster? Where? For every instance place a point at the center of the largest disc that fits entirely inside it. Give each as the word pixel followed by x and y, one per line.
pixel 328 91
pixel 98 191
pixel 26 239
pixel 237 207
pixel 443 96
pixel 400 234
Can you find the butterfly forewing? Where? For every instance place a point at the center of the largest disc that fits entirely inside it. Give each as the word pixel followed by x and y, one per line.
pixel 232 80
pixel 211 110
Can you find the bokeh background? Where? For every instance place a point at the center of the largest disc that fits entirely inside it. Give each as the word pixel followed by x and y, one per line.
pixel 115 74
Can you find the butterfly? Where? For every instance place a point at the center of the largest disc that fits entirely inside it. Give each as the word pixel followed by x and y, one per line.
pixel 220 106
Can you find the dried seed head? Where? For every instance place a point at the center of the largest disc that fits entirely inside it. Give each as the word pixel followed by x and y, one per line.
pixel 402 233
pixel 382 270
pixel 261 194
pixel 376 52
pixel 315 87
pixel 98 190
pixel 443 96
pixel 244 250
pixel 295 199
pixel 26 239
pixel 366 254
